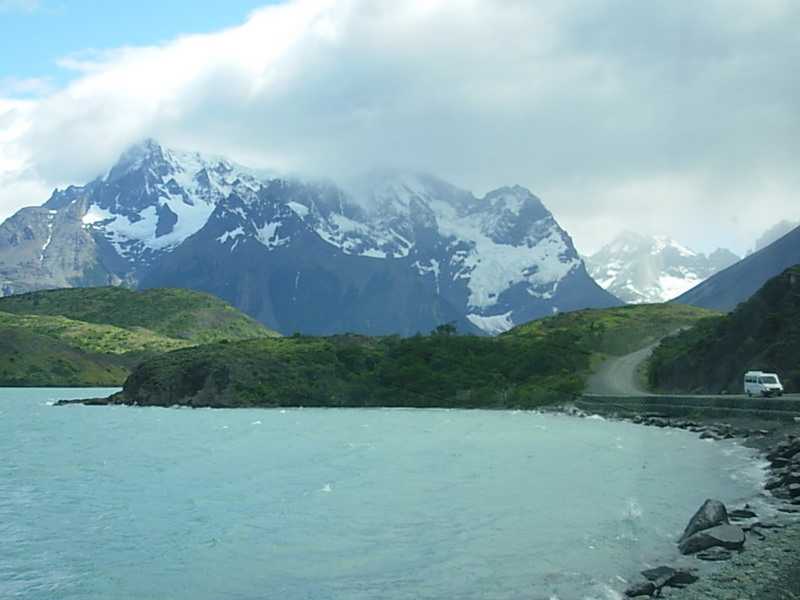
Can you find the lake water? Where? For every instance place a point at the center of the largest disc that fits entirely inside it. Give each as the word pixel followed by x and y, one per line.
pixel 341 504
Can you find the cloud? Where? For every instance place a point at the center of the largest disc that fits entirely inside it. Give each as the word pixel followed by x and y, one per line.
pixel 619 114
pixel 24 5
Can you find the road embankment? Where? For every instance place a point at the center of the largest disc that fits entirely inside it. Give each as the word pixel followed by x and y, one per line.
pixel 686 406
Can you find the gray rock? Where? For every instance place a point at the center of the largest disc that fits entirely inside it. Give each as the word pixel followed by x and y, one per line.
pixel 786 448
pixel 674 577
pixel 725 535
pixel 741 513
pixel 716 553
pixel 644 588
pixel 710 514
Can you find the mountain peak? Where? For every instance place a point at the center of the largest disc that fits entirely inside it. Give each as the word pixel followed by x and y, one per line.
pixel 132 159
pixel 652 268
pixel 396 252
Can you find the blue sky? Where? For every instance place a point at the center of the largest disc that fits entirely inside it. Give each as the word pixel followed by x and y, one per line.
pixel 680 116
pixel 36 34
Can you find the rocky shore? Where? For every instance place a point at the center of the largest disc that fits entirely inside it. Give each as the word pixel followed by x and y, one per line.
pixel 759 556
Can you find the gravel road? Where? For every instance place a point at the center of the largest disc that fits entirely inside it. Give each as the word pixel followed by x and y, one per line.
pixel 619 375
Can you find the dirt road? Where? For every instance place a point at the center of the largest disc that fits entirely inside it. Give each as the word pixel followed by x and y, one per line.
pixel 619 375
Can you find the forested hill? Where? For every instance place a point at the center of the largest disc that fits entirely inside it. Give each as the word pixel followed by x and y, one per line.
pixel 762 333
pixel 96 336
pixel 545 362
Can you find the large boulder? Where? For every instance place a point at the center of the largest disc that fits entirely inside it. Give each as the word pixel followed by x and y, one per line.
pixel 710 514
pixel 725 535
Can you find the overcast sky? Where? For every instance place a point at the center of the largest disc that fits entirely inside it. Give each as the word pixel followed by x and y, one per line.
pixel 669 115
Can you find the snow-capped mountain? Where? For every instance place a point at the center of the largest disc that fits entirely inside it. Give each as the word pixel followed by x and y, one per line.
pixel 652 268
pixel 390 253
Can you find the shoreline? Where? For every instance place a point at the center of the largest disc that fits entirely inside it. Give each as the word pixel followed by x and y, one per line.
pixel 768 566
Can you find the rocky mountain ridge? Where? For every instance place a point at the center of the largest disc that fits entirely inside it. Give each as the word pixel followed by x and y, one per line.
pixel 390 253
pixel 651 268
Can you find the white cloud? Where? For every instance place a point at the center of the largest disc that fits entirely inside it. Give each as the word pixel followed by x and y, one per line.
pixel 26 5
pixel 618 114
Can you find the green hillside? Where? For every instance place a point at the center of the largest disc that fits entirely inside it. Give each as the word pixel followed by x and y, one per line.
pixel 27 357
pixel 616 331
pixel 171 312
pixel 540 363
pixel 762 333
pixel 102 333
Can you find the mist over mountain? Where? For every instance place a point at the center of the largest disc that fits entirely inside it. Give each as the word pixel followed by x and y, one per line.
pixel 773 234
pixel 389 253
pixel 652 268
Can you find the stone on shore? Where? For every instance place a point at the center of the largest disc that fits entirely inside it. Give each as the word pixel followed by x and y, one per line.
pixel 714 554
pixel 725 535
pixel 710 514
pixel 661 577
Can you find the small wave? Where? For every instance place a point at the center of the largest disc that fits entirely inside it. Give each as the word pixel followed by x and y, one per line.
pixel 596 418
pixel 633 510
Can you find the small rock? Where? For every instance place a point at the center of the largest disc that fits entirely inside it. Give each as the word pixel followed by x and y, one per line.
pixel 645 588
pixel 741 513
pixel 774 482
pixel 714 554
pixel 674 577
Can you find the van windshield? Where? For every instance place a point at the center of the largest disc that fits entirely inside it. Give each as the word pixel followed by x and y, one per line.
pixel 769 379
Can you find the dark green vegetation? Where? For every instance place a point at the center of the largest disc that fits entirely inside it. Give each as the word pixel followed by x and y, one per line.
pixel 96 336
pixel 762 333
pixel 541 363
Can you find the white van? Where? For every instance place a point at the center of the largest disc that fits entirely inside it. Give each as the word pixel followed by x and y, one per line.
pixel 762 384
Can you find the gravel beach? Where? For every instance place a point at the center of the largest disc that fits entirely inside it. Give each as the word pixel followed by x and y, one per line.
pixel 765 570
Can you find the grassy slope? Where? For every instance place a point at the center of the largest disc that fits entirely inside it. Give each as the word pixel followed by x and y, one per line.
pixel 170 312
pixel 617 331
pixel 102 333
pixel 26 356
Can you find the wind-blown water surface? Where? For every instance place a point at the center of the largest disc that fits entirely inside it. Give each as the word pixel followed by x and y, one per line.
pixel 340 504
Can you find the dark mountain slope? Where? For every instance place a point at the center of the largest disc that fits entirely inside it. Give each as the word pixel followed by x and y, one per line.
pixel 763 333
pixel 724 290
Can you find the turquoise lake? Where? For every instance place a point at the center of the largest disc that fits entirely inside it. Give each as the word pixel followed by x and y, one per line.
pixel 342 504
